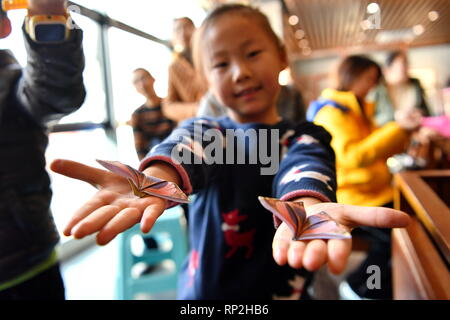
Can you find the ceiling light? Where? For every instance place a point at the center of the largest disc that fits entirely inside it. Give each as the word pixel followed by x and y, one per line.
pixel 306 51
pixel 373 7
pixel 293 20
pixel 433 15
pixel 303 43
pixel 418 29
pixel 299 34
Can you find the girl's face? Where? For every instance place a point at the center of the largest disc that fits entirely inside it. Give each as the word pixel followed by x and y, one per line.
pixel 366 81
pixel 242 63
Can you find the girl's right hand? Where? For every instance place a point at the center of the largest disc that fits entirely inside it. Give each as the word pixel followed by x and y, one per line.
pixel 113 209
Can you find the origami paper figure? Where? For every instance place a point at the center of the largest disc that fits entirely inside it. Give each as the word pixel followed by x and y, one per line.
pixel 143 185
pixel 317 226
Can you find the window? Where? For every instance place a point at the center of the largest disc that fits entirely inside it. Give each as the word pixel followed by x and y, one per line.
pixel 153 17
pixel 14 41
pixel 94 106
pixel 128 52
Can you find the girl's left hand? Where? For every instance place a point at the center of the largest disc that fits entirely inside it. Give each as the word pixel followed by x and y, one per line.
pixel 313 254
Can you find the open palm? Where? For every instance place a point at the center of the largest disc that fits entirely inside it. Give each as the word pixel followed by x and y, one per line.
pixel 113 209
pixel 313 254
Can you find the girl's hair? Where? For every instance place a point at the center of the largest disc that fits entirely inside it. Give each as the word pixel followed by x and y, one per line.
pixel 392 56
pixel 228 9
pixel 351 68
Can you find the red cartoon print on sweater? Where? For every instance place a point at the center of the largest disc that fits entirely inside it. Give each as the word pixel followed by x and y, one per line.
pixel 233 237
pixel 297 286
pixel 192 266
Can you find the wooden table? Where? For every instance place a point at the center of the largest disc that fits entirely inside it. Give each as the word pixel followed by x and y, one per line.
pixel 421 251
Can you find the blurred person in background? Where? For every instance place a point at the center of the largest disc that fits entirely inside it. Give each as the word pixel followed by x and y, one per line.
pixel 150 126
pixel 400 92
pixel 361 151
pixel 185 88
pixel 404 93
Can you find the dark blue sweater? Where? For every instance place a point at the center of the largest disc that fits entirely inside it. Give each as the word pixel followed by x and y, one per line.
pixel 230 232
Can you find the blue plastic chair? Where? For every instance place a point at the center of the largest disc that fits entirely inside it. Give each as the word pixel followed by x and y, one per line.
pixel 170 233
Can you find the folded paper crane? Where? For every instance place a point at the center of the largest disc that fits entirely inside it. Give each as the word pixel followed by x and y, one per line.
pixel 143 185
pixel 316 226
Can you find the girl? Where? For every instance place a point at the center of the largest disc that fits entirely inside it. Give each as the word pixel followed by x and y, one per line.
pixel 231 234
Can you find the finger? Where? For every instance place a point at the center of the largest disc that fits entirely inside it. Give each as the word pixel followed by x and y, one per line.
pixel 82 213
pixel 152 213
pixel 122 221
pixel 378 217
pixel 76 170
pixel 95 221
pixel 338 254
pixel 281 243
pixel 315 255
pixel 100 199
pixel 296 253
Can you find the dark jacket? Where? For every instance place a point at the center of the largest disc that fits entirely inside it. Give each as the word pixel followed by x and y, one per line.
pixel 50 87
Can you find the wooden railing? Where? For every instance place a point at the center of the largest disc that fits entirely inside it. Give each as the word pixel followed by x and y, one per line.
pixel 421 251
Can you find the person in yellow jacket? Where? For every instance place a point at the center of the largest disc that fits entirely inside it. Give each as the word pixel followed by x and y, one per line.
pixel 361 151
